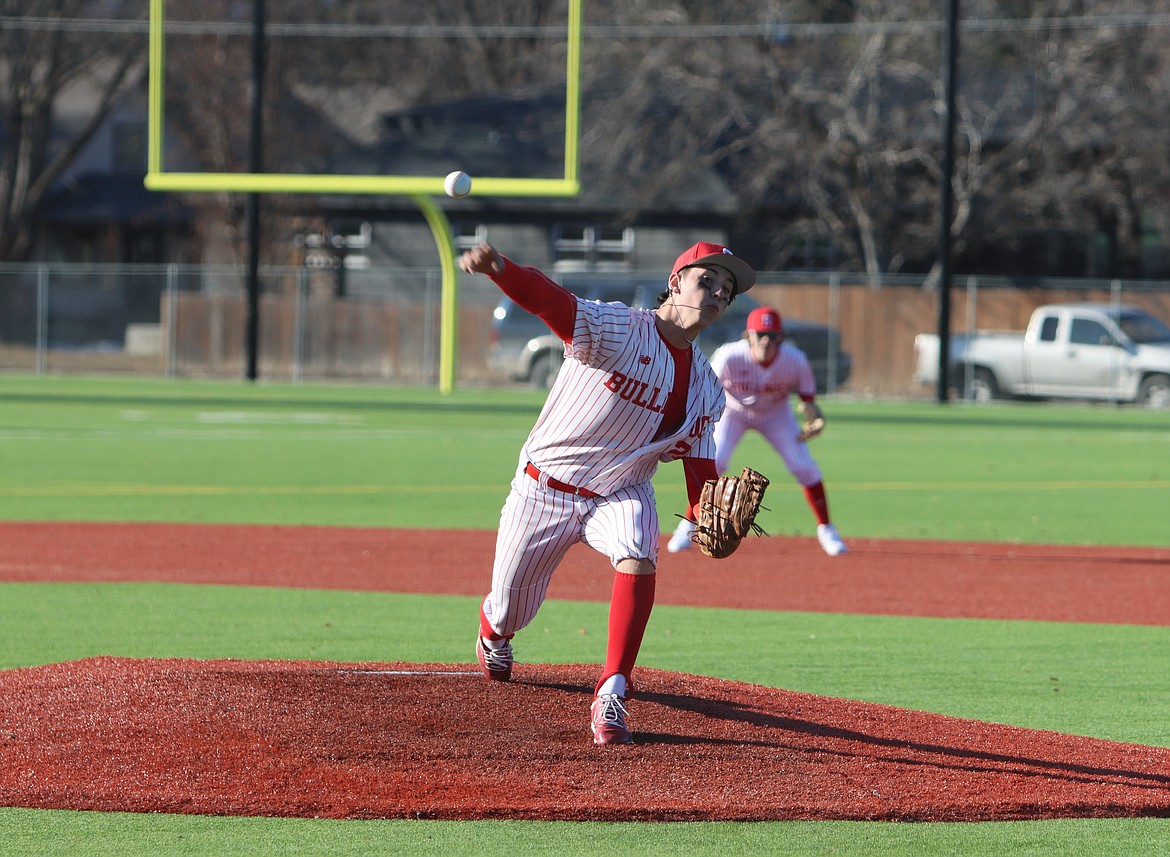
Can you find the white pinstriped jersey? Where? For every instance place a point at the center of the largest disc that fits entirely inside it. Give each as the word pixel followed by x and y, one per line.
pixel 597 429
pixel 753 389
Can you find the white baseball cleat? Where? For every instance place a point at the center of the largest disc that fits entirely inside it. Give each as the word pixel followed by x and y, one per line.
pixel 681 540
pixel 607 718
pixel 495 663
pixel 830 540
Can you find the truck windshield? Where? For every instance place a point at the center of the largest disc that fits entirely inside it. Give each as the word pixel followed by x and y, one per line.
pixel 1143 328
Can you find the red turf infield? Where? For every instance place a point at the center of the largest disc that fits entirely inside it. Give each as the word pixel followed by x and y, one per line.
pixel 912 578
pixel 411 740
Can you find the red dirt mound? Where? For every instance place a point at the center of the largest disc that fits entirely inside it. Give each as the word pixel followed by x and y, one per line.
pixel 437 741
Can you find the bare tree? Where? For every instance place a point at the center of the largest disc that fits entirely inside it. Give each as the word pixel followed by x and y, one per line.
pixel 812 119
pixel 332 71
pixel 811 132
pixel 1084 153
pixel 39 63
pixel 830 124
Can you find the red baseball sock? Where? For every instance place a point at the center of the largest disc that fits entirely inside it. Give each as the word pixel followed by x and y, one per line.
pixel 629 611
pixel 818 501
pixel 486 630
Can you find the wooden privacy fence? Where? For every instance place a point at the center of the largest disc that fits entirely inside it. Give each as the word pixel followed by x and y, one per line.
pixel 178 320
pixel 323 337
pixel 398 341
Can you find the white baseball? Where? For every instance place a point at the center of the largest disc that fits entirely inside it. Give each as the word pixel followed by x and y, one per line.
pixel 457 184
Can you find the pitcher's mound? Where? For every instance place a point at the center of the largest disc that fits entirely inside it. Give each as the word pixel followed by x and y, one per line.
pixel 438 741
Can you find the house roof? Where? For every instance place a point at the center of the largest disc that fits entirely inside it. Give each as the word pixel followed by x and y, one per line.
pixel 517 134
pixel 111 198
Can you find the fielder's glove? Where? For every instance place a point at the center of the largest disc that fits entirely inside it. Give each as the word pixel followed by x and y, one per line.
pixel 813 421
pixel 727 512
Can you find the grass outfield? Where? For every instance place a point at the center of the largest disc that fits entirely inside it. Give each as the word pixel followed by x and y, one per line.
pixel 102 449
pixel 100 835
pixel 190 451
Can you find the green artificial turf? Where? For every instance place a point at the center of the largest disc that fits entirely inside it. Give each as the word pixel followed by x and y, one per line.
pixel 34 833
pixel 151 450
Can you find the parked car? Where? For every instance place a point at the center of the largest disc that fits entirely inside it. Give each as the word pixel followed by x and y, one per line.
pixel 1069 351
pixel 820 342
pixel 523 348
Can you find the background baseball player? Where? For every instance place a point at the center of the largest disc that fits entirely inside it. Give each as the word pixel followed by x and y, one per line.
pixel 634 390
pixel 759 373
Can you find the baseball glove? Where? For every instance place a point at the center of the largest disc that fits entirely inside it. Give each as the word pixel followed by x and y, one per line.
pixel 727 512
pixel 813 420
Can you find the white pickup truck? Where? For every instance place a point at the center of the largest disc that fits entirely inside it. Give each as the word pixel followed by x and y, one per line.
pixel 1069 351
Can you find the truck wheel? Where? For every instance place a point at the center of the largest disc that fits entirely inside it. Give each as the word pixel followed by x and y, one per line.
pixel 983 386
pixel 1155 392
pixel 545 369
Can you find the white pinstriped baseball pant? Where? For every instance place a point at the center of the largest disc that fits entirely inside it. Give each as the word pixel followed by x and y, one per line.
pixel 779 427
pixel 539 525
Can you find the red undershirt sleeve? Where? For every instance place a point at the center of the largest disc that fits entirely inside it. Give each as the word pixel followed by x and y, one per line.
pixel 698 471
pixel 535 292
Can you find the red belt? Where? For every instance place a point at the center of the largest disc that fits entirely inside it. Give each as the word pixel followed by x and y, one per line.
pixel 556 484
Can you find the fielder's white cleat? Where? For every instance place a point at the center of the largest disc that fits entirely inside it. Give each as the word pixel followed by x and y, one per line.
pixel 830 540
pixel 681 540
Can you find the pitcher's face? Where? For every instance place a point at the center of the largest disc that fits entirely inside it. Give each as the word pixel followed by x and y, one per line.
pixel 705 289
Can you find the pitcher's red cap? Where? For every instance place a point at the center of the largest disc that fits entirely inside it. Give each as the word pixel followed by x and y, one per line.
pixel 765 319
pixel 705 253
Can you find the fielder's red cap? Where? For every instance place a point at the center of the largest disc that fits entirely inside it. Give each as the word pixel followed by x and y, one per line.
pixel 765 319
pixel 705 253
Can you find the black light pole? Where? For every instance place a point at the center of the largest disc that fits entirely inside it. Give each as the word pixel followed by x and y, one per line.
pixel 947 200
pixel 255 165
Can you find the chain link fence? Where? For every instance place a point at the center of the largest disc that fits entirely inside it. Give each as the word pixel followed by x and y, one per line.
pixel 191 321
pixel 384 325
